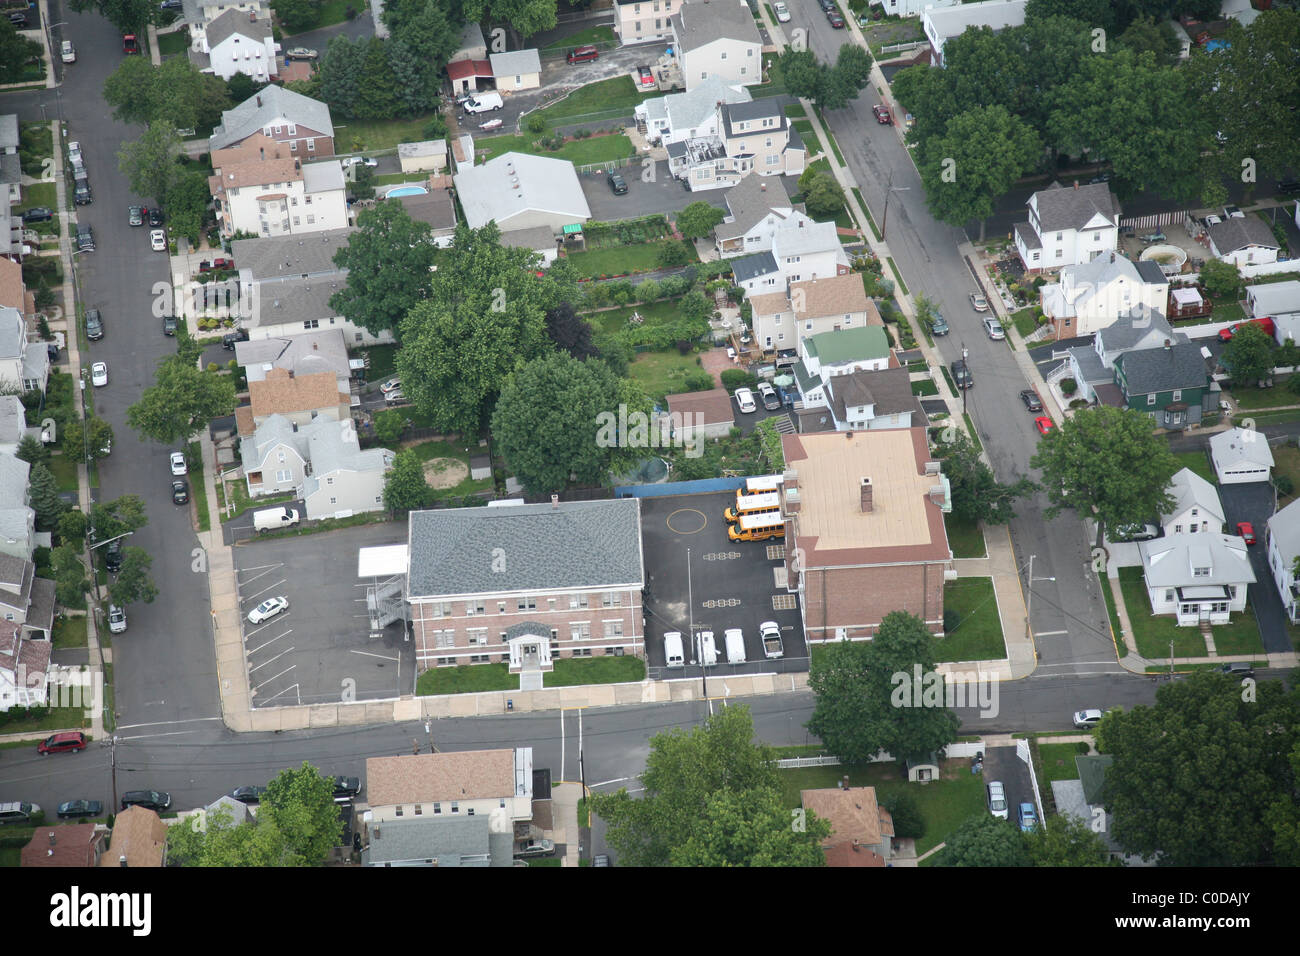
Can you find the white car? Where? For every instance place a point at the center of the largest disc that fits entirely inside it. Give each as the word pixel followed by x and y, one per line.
pixel 158 240
pixel 994 328
pixel 178 463
pixel 392 385
pixel 978 302
pixel 745 399
pixel 1087 719
pixel 360 160
pixel 268 609
pixel 68 52
pixel 99 374
pixel 781 11
pixel 116 619
pixel 997 800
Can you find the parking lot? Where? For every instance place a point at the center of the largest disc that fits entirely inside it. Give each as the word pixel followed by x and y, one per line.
pixel 648 193
pixel 319 649
pixel 732 584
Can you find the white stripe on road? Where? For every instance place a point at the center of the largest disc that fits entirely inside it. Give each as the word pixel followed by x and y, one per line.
pixel 271 660
pixel 369 654
pixel 167 723
pixel 1049 633
pixel 269 679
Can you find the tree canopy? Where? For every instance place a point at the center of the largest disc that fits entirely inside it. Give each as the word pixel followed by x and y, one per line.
pixel 976 494
pixel 1249 355
pixel 389 261
pixel 985 840
pixel 182 399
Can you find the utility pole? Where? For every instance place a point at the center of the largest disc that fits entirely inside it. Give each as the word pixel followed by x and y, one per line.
pixel 1171 659
pixel 889 191
pixel 113 745
pixel 695 645
pixel 428 730
pixel 965 362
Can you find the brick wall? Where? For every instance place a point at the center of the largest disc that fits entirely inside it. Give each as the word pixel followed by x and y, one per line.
pixel 859 598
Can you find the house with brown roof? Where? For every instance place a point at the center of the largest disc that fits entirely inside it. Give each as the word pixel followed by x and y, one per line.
pixel 79 844
pixel 139 839
pixel 782 320
pixel 24 669
pixel 13 293
pixel 707 414
pixel 864 511
pixel 862 832
pixel 259 186
pixel 300 398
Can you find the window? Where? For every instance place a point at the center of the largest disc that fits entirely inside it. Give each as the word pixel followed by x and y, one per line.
pixel 473 607
pixel 311 324
pixel 768 142
pixel 439 609
pixel 477 636
pixel 501 607
pixel 455 807
pixel 445 638
pixel 749 52
pixel 311 145
pixel 398 812
pixel 437 808
pixel 283 475
pixel 528 603
pixel 611 599
pixel 469 811
pixel 502 804
pixel 724 54
pixel 773 160
pixel 1178 529
pixel 293 127
pixel 1169 596
pixel 310 220
pixel 276 130
pixel 613 629
pixel 1200 572
pixel 306 200
pixel 579 630
pixel 742 71
pixel 294 201
pixel 296 221
pixel 419 810
pixel 577 601
pixel 1151 399
pixel 328 481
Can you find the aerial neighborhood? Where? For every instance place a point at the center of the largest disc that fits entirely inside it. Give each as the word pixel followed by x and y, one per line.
pixel 544 381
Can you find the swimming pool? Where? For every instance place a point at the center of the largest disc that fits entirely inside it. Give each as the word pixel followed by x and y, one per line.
pixel 406 191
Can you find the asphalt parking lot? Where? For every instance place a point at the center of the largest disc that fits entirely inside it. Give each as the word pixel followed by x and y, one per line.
pixel 650 191
pixel 1001 763
pixel 319 649
pixel 732 584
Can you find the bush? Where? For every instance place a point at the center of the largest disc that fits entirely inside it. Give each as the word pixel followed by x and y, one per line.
pixel 951 619
pixel 908 822
pixel 698 381
pixel 15 715
pixel 1068 387
pixel 436 128
pixel 535 124
pixel 673 254
pixel 734 378
pixel 1284 485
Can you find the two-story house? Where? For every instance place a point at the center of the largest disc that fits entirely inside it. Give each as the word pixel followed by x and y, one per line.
pixel 1092 295
pixel 1283 543
pixel 300 355
pixel 201 12
pixel 1243 242
pixel 862 831
pixel 1093 366
pixel 299 122
pixel 1197 507
pixel 849 380
pixel 24 668
pixel 259 188
pixel 526 584
pixel 679 117
pixel 754 137
pixel 1170 383
pixel 17 519
pixel 1198 578
pixel 754 213
pixel 25 599
pixel 643 21
pixel 1068 226
pixel 235 42
pixel 302 399
pixel 24 365
pixel 717 38
pixel 801 250
pixel 782 319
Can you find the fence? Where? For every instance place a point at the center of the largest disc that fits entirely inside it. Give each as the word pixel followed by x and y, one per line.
pixel 590 168
pixel 697 487
pixel 797 763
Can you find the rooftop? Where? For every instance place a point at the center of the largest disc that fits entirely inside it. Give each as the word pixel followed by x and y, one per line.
pixel 430 778
pixel 514 184
pixel 847 345
pixel 834 295
pixel 139 836
pixel 263 109
pixel 1162 369
pixel 300 354
pixel 888 391
pixel 295 256
pixel 280 392
pixel 235 21
pixel 1061 208
pixel 714 405
pixel 700 23
pixel 854 814
pixel 1169 561
pixel 515 63
pixel 1233 234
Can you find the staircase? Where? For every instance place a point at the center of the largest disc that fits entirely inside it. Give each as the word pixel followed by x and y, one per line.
pixel 384 603
pixel 785 425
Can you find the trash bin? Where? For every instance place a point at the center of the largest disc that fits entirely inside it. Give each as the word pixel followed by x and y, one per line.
pixel 510 704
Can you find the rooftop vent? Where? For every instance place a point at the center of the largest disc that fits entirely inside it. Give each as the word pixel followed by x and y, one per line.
pixel 865 495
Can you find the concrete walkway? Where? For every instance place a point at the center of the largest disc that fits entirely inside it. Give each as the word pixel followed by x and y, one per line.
pixel 564 817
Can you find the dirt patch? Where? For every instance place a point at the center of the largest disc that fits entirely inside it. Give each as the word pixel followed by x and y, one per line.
pixel 445 472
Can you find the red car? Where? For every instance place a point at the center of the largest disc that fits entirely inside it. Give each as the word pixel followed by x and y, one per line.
pixel 217 265
pixel 882 115
pixel 1044 424
pixel 1266 323
pixel 130 44
pixel 1247 531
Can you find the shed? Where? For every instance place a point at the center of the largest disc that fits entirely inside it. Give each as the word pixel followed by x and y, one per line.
pixel 707 414
pixel 427 156
pixel 922 768
pixel 1241 455
pixel 517 70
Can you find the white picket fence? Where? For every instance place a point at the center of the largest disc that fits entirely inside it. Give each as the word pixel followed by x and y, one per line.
pixel 952 751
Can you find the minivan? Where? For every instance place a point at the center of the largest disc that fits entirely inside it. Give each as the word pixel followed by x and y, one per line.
pixel 708 649
pixel 734 639
pixel 157 800
pixel 60 743
pixel 997 800
pixel 673 649
pixel 583 54
pixel 18 813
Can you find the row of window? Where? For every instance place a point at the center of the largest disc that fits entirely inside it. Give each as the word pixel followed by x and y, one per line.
pixel 505 658
pixel 526 602
pixel 478 636
pixel 437 808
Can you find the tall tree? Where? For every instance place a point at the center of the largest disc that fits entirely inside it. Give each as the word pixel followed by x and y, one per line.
pixel 16 52
pixel 128 16
pixel 149 163
pixel 133 583
pixel 976 494
pixel 218 841
pixel 981 155
pixel 300 804
pixel 43 490
pixel 1071 841
pixel 93 437
pixel 182 400
pixel 187 205
pixel 698 219
pixel 297 15
pixel 70 581
pixel 522 18
pixel 376 95
pixel 405 488
pixel 1241 736
pixel 1249 355
pixel 175 93
pixel 570 331
pixel 1107 464
pixel 340 74
pixel 985 840
pixel 32 451
pixel 117 517
pixel 687 772
pixel 389 261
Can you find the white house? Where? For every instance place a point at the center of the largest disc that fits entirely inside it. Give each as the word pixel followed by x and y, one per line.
pixel 642 21
pixel 1243 242
pixel 13 423
pixel 24 365
pixel 801 250
pixel 782 319
pixel 517 70
pixel 259 187
pixel 846 382
pixel 17 519
pixel 1196 506
pixel 307 354
pixel 235 42
pixel 427 156
pixel 1067 226
pixel 754 137
pixel 1198 578
pixel 1280 301
pixel 941 23
pixel 1283 549
pixel 24 668
pixel 1240 455
pixel 678 117
pixel 755 212
pixel 200 12
pixel 1092 295
pixel 520 191
pixel 912 8
pixel 717 38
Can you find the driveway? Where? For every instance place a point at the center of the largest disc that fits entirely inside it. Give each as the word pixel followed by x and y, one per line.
pixel 1254 502
pixel 651 190
pixel 1001 763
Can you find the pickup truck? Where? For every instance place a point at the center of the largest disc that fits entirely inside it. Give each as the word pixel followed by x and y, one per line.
pixel 772 646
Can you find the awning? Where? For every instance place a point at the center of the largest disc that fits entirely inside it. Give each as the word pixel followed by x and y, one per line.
pixel 1203 592
pixel 572 229
pixel 1183 297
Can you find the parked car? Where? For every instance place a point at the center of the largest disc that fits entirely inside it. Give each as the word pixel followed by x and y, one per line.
pixel 67 52
pixel 1247 531
pixel 1135 532
pixel 113 556
pixel 882 115
pixel 229 340
pixel 180 492
pixel 85 238
pixel 938 324
pixel 18 814
pixel 1265 323
pixel 771 401
pixel 993 328
pixel 68 740
pixel 268 609
pixel 1239 669
pixel 99 374
pixel 300 53
pixel 116 619
pixel 155 216
pixel 1087 719
pixel 18 19
pixel 216 265
pixel 782 12
pixel 395 397
pixel 1031 400
pixel 996 796
pixel 978 302
pixel 1028 817
pixel 170 5
pixel 1288 186
pixel 600 859
pixel 158 240
pixel 80 808
pixel 359 161
pixel 392 385
pixel 157 800
pixel 81 191
pixel 961 375
pixel 169 325
pixel 836 20
pixel 1232 212
pixel 535 848
pixel 1044 424
pixel 94 325
pixel 617 184
pixel 38 214
pixel 176 460
pixel 135 215
pixel 482 102
pixel 583 54
pixel 248 794
pixel 345 788
pixel 745 399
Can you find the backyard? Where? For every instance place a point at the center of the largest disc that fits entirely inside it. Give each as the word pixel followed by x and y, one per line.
pixel 580 152
pixel 1249 399
pixel 663 373
pixel 446 468
pixel 591 35
pixel 356 135
pixel 1152 633
pixel 1199 463
pixel 978 635
pixel 623 260
pixel 614 98
pixel 1286 464
pixel 654 313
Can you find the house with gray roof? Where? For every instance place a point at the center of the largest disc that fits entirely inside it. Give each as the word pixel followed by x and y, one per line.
pixel 11 170
pixel 717 39
pixel 1089 297
pixel 678 117
pixel 1283 541
pixel 752 137
pixel 942 22
pixel 440 841
pixel 1170 383
pixel 526 583
pixel 18 535
pixel 1092 366
pixel 305 354
pixel 200 12
pixel 299 122
pixel 757 273
pixel 1197 578
pixel 1067 226
pixel 863 400
pixel 516 70
pixel 1082 798
pixel 521 191
pixel 1197 507
pixel 1243 242
pixel 236 41
pixel 1240 455
pixel 755 207
pixel 843 351
pixel 24 365
pixel 289 306
pixel 13 423
pixel 25 599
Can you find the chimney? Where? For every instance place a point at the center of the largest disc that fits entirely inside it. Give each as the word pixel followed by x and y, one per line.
pixel 1076 184
pixel 315 346
pixel 856 847
pixel 762 187
pixel 555 502
pixel 259 100
pixel 121 861
pixel 865 496
pixel 1168 345
pixel 1112 257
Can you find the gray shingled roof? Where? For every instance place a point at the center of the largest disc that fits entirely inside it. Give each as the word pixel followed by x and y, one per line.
pixel 1150 272
pixel 1167 562
pixel 275 101
pixel 1061 208
pixel 748 201
pixel 1128 331
pixel 13 420
pixel 322 351
pixel 1161 369
pixel 1233 234
pixel 9 136
pixel 751 267
pixel 448 840
pixel 889 390
pixel 296 301
pixel 699 23
pixel 11 168
pixel 282 256
pixel 1089 365
pixel 753 110
pixel 1284 533
pixel 1188 489
pixel 540 547
pixel 236 21
pixel 14 473
pixel 515 63
pixel 333 447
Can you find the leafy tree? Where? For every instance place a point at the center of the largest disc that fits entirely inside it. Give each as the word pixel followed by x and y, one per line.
pixel 362 181
pixel 128 16
pixel 388 259
pixel 1070 842
pixel 388 426
pixel 376 97
pixel 16 51
pixel 133 583
pixel 570 331
pixel 822 194
pixel 31 450
pixel 908 820
pixel 96 434
pixel 221 842
pixel 522 18
pixel 695 307
pixel 297 15
pixel 1249 355
pixel 1106 463
pixel 70 581
pixel 985 840
pixel 672 254
pixel 979 157
pixel 300 804
pixel 686 773
pixel 45 500
pixel 483 318
pixel 149 163
pixel 976 494
pixel 547 423
pixel 339 77
pixel 1147 35
pixel 698 219
pixel 175 93
pixel 187 205
pixel 1246 732
pixel 117 517
pixel 72 525
pixel 405 488
pixel 1220 278
pixel 426 26
pixel 241 87
pixel 181 401
pixel 803 74
pixel 411 78
pixel 867 698
pixel 854 64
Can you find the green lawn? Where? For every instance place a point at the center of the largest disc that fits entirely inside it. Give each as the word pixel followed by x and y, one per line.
pixel 1286 463
pixel 1057 762
pixel 925 386
pixel 663 373
pixel 574 671
pixel 1024 321
pixel 970 430
pixel 1199 463
pixel 170 44
pixel 58 718
pixel 619 260
pixel 198 491
pixel 356 135
pixel 1227 311
pixel 11 856
pixel 1153 633
pixel 330 12
pixel 617 96
pixel 979 635
pixel 944 804
pixel 964 537
pixel 468 678
pixel 1271 418
pixel 1240 635
pixel 580 152
pixel 382 359
pixel 810 140
pixel 238 489
pixel 1252 398
pixel 590 35
pixel 39 194
pixel 1113 614
pixel 429 450
pixel 69 632
pixel 654 313
pixel 64 468
pixel 795 110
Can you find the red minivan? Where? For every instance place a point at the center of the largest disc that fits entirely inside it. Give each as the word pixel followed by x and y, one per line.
pixel 58 743
pixel 583 53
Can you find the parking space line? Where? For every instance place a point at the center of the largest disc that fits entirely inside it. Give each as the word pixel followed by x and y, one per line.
pixel 244 582
pixel 269 679
pixel 292 687
pixel 256 594
pixel 289 650
pixel 268 643
pixel 382 657
pixel 263 567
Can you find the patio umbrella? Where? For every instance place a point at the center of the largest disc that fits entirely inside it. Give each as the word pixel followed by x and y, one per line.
pixel 783 380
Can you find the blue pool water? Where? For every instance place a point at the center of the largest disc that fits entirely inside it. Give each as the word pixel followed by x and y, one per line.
pixel 406 191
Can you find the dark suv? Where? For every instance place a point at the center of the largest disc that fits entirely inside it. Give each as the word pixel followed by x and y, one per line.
pixel 230 339
pixel 157 800
pixel 113 556
pixel 617 184
pixel 961 375
pixel 85 238
pixel 94 325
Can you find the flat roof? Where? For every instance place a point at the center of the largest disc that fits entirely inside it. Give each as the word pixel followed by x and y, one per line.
pixel 383 561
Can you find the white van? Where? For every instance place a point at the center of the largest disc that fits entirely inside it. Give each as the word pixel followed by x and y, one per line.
pixel 735 642
pixel 673 649
pixel 271 518
pixel 708 649
pixel 483 102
